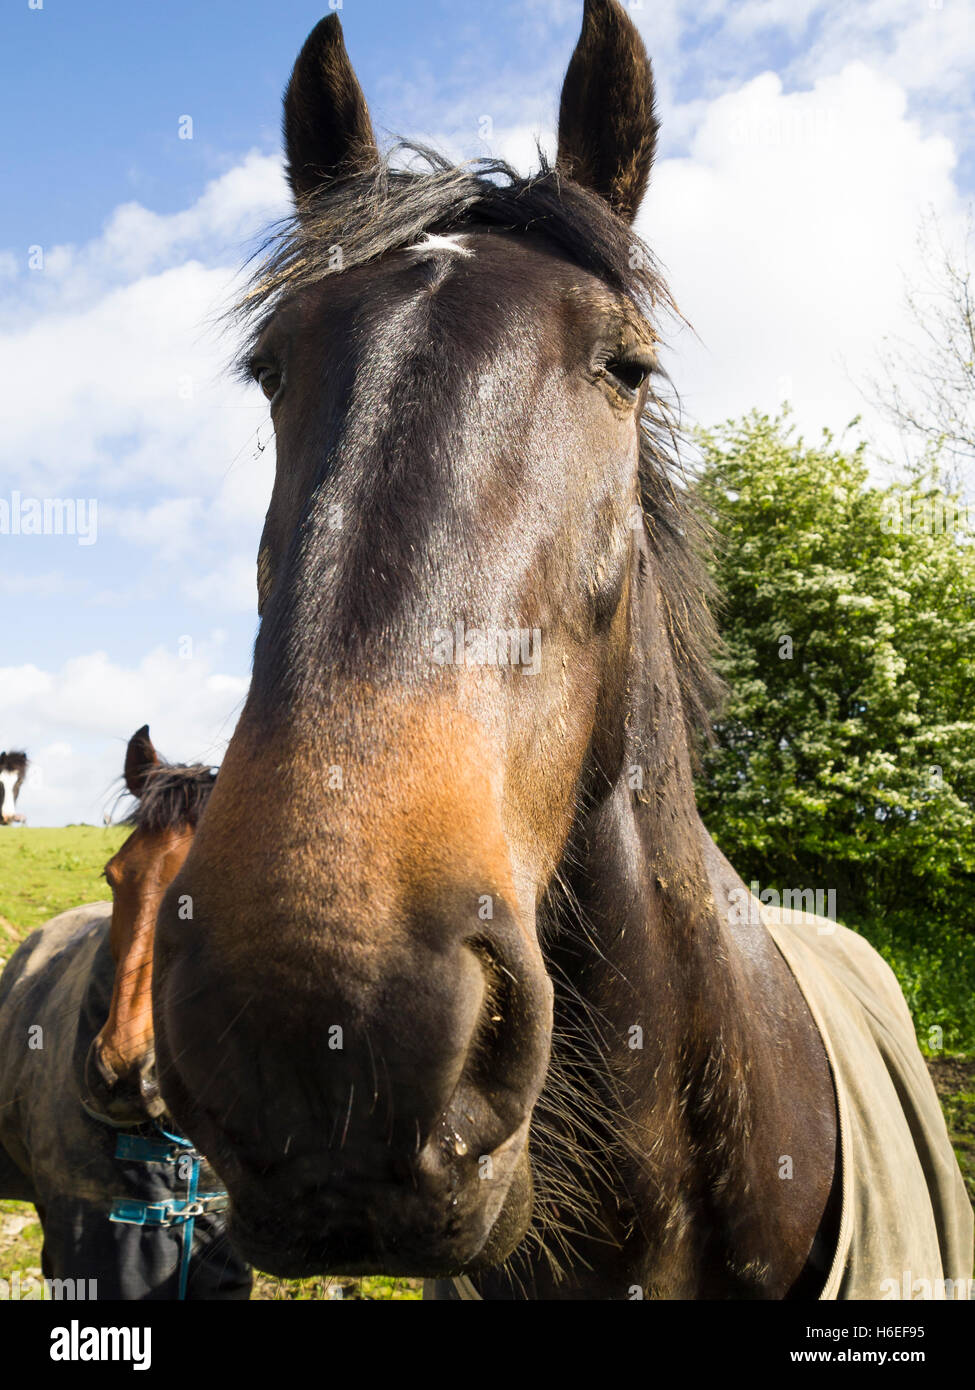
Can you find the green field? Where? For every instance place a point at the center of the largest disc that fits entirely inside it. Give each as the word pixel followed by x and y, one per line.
pixel 44 872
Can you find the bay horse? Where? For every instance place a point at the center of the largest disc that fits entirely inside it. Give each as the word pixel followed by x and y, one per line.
pixel 467 992
pixel 13 770
pixel 84 1133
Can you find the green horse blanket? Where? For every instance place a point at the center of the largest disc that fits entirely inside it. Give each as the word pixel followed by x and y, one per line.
pixel 906 1226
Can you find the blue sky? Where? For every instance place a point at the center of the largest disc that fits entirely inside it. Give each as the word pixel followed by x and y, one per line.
pixel 802 142
pixel 104 82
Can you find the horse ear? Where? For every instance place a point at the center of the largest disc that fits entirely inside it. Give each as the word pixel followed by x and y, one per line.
pixel 607 124
pixel 140 758
pixel 327 130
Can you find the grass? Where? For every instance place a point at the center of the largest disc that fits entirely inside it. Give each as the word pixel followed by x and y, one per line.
pixel 373 1289
pixel 935 967
pixel 20 1239
pixel 44 872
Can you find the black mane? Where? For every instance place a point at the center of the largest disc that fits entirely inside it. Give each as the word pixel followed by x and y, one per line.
pixel 386 209
pixel 174 797
pixel 13 762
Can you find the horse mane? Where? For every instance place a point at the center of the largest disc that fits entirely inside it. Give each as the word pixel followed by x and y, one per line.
pixel 385 209
pixel 174 796
pixel 13 762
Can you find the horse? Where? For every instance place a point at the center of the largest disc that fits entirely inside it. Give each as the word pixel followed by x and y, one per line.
pixel 84 1133
pixel 468 992
pixel 13 770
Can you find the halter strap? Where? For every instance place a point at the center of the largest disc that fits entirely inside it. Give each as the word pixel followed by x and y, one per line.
pixel 140 1148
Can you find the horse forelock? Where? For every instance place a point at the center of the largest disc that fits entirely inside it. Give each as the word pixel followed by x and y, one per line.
pixel 174 797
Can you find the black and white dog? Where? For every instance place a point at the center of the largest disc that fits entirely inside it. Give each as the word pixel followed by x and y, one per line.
pixel 13 770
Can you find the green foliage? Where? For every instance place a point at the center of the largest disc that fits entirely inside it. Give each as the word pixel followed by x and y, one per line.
pixel 846 752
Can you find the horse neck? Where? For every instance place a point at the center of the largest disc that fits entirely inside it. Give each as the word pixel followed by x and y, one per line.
pixel 663 1017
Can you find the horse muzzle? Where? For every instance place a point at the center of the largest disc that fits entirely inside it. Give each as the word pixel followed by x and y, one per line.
pixel 130 1097
pixel 449 1212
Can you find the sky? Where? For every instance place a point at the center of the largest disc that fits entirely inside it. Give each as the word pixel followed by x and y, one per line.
pixel 801 145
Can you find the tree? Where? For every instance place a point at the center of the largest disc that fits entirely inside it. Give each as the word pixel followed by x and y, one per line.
pixel 845 755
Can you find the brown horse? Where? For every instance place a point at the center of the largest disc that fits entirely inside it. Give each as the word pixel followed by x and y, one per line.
pixel 83 1131
pixel 120 1067
pixel 462 992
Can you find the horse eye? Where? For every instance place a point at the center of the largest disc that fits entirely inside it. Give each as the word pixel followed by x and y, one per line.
pixel 628 373
pixel 269 380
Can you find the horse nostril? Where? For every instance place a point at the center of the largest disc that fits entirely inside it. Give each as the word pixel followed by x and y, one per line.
pixel 499 982
pixel 106 1073
pixel 509 1049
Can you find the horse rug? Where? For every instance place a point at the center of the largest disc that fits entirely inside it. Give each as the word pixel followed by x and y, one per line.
pixel 906 1224
pixel 55 993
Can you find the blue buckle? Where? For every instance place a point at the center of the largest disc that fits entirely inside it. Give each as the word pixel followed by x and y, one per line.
pixel 139 1213
pixel 172 1213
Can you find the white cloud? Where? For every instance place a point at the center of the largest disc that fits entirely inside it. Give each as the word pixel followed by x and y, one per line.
pixel 137 242
pixel 116 389
pixel 127 390
pixel 95 704
pixel 787 233
pixel 712 47
pixel 928 48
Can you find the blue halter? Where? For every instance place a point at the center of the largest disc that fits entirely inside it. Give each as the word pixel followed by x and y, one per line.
pixel 134 1147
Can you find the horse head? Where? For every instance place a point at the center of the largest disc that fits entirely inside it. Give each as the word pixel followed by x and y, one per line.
pixel 468 517
pixel 120 1069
